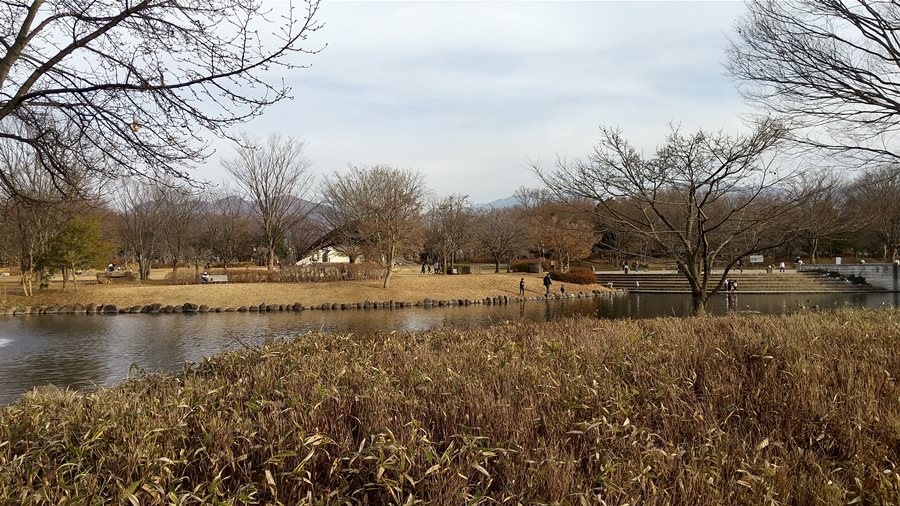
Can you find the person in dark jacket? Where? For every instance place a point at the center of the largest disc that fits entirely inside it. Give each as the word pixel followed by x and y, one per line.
pixel 547 283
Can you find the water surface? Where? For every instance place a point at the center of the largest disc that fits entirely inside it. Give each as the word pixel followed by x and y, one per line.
pixel 81 351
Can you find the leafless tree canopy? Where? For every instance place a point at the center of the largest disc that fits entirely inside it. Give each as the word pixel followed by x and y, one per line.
pixel 179 209
pixel 824 210
pixel 701 199
pixel 501 234
pixel 138 84
pixel 141 224
pixel 274 176
pixel 832 66
pixel 450 223
pixel 226 226
pixel 381 204
pixel 874 202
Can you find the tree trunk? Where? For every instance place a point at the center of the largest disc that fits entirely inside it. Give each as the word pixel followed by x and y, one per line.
pixel 65 276
pixel 74 279
pixel 496 265
pixel 270 258
pixel 143 267
pixel 814 249
pixel 698 304
pixel 390 267
pixel 174 267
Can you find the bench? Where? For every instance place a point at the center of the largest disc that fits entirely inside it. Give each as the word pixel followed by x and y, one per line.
pixel 217 278
pixel 107 277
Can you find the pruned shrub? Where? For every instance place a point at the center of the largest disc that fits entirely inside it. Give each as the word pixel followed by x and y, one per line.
pixel 577 276
pixel 310 273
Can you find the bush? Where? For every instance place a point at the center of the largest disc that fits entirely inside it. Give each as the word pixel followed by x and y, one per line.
pixel 309 273
pixel 524 264
pixel 578 276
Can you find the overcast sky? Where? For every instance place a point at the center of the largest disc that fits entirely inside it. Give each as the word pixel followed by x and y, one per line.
pixel 468 92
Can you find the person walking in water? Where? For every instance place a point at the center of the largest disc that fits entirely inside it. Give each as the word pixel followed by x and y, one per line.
pixel 522 286
pixel 547 284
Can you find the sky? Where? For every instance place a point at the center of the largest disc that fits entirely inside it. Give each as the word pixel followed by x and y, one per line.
pixel 469 93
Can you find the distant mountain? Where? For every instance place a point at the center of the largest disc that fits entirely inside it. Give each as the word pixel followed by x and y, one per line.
pixel 510 201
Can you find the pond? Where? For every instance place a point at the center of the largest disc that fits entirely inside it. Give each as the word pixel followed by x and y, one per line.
pixel 81 351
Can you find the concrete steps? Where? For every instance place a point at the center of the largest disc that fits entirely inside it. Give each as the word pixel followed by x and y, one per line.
pixel 748 282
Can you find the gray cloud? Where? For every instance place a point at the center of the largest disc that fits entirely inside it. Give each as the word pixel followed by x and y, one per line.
pixel 468 92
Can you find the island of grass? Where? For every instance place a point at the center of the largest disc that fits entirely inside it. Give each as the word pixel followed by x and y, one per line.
pixel 800 409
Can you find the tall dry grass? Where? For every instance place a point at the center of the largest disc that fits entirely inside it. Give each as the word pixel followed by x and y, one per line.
pixel 803 409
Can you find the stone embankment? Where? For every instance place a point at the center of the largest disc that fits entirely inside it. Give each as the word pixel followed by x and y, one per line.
pixel 190 308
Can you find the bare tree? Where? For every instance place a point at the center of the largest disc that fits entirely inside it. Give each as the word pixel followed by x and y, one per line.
pixel 381 204
pixel 824 209
pixel 702 199
pixel 273 175
pixel 141 224
pixel 830 65
pixel 141 82
pixel 304 236
pixel 501 234
pixel 179 209
pixel 226 226
pixel 874 201
pixel 449 222
pixel 561 231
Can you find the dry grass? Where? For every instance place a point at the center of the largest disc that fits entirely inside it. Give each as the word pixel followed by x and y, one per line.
pixel 406 285
pixel 730 410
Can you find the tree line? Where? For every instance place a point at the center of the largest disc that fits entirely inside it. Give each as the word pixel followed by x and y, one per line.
pixel 271 212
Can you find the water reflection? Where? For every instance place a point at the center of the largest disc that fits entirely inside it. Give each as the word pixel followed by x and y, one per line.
pixel 81 351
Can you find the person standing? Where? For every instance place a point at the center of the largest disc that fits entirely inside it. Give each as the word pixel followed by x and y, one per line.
pixel 740 265
pixel 547 284
pixel 781 266
pixel 522 286
pixel 625 267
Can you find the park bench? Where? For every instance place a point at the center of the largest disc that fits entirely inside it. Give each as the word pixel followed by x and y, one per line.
pixel 217 278
pixel 107 277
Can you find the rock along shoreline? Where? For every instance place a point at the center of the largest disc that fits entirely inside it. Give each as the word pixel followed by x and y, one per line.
pixel 191 308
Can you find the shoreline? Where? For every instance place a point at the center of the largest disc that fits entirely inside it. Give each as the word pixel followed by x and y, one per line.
pixel 407 288
pixel 263 307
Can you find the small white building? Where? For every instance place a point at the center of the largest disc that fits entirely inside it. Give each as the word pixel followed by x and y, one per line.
pixel 324 255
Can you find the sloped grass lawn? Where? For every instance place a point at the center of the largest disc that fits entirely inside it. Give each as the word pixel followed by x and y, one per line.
pixel 802 409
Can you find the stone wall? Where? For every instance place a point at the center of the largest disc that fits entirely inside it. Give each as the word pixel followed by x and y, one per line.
pixel 883 276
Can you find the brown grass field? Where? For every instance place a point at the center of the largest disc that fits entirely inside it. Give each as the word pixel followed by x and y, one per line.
pixel 799 409
pixel 406 285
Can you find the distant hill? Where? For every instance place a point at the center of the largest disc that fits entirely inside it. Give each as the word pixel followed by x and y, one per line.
pixel 510 201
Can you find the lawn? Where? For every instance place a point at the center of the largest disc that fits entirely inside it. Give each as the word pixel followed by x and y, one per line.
pixel 406 285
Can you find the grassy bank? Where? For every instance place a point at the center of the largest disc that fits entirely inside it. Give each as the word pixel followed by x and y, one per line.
pixel 739 409
pixel 406 285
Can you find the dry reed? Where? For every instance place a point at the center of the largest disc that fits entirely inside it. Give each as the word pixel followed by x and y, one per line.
pixel 800 409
